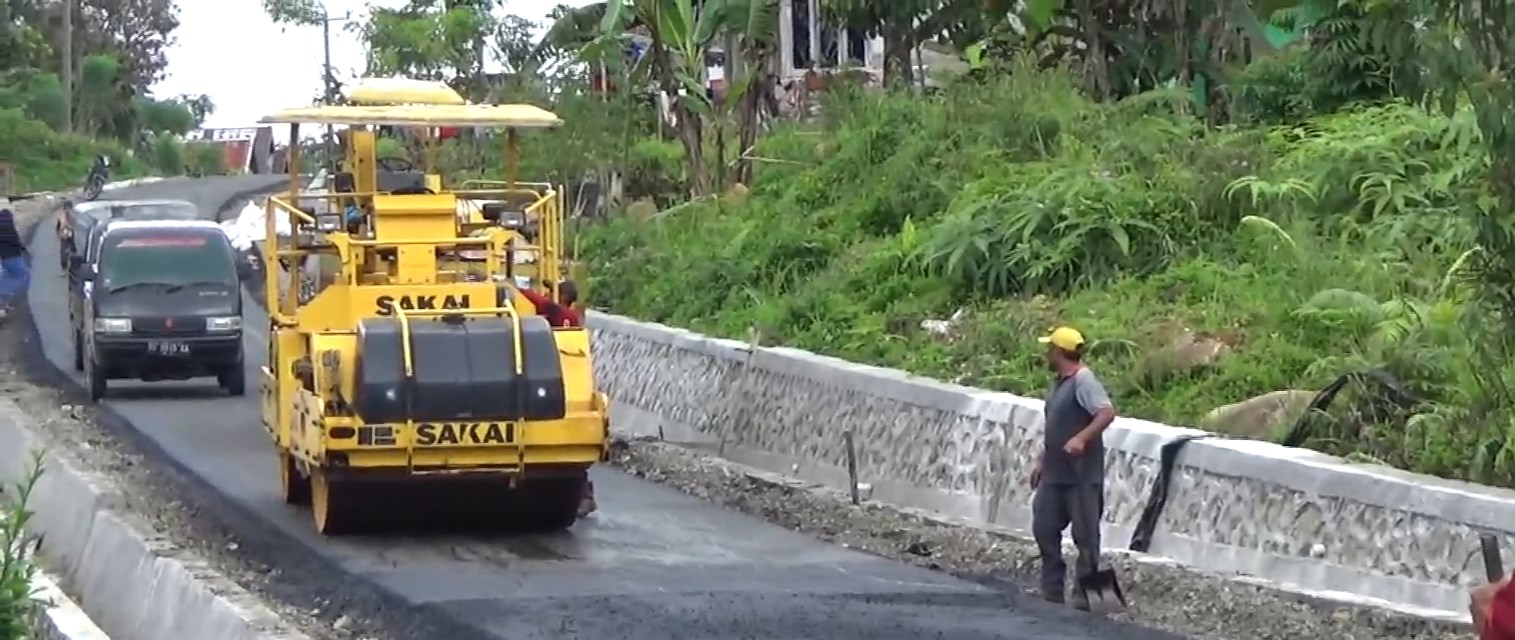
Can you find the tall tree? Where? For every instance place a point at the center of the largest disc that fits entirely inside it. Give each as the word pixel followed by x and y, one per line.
pixel 295 12
pixel 431 39
pixel 136 32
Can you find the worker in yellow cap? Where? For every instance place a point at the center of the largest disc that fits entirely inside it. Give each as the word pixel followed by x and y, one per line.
pixel 1069 475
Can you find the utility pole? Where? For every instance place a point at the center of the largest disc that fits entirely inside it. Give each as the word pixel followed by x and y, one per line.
pixel 329 78
pixel 68 66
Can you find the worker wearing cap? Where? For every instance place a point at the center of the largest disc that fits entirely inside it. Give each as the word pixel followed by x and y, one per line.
pixel 15 276
pixel 1069 475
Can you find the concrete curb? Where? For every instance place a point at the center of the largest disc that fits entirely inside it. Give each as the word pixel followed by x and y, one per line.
pixel 134 182
pixel 60 617
pixel 134 584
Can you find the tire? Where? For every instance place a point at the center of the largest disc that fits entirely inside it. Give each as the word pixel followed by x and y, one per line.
pixel 331 505
pixel 296 486
pixel 98 384
pixel 78 351
pixel 234 380
pixel 555 503
pixel 94 186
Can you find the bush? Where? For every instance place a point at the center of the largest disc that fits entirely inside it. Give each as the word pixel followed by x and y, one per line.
pixel 1209 266
pixel 168 155
pixel 204 159
pixel 45 159
pixel 17 569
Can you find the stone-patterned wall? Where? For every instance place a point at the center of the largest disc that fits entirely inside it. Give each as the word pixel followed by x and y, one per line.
pixel 1287 515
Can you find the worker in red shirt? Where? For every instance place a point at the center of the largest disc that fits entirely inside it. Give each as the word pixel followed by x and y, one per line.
pixel 1493 610
pixel 560 313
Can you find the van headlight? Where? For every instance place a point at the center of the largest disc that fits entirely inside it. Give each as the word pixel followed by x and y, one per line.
pixel 227 323
pixel 113 325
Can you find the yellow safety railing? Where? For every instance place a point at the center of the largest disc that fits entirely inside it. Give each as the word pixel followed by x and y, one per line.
pixel 280 310
pixel 271 255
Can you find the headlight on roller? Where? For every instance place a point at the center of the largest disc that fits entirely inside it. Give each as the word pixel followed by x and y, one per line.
pixel 113 325
pixel 328 222
pixel 228 323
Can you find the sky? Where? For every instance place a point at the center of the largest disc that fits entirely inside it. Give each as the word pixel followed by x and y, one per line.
pixel 251 67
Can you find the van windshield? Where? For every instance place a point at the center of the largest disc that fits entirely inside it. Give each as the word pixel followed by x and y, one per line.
pixel 165 257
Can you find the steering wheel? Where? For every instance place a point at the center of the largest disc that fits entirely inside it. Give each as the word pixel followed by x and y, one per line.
pixel 395 163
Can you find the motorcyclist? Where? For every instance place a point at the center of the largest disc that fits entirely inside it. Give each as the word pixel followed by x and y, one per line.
pixel 98 174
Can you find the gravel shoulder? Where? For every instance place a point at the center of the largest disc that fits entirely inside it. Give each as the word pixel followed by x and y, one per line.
pixel 1163 595
pixel 161 498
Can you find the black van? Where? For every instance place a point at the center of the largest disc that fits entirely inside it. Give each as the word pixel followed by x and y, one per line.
pixel 80 219
pixel 160 301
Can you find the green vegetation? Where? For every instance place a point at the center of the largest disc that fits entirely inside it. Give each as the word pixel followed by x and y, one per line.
pixel 1302 253
pixel 1236 203
pixel 1332 226
pixel 51 140
pixel 17 565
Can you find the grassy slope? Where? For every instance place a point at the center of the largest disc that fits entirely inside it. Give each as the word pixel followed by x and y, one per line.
pixel 1308 252
pixel 47 160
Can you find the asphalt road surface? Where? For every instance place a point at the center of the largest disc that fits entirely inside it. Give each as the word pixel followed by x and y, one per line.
pixel 652 564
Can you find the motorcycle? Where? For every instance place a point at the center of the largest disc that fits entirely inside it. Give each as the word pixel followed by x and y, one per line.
pixel 95 183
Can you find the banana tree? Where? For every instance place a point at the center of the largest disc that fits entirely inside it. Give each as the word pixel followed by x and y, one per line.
pixel 752 30
pixel 681 31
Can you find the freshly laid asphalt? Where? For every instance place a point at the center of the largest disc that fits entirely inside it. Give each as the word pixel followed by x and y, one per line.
pixel 652 564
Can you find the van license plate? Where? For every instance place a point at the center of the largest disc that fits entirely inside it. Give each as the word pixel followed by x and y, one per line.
pixel 168 348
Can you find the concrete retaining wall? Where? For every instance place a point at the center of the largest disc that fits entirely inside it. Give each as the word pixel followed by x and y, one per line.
pixel 134 585
pixel 1290 516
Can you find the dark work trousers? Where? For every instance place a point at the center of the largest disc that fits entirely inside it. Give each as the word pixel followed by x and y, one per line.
pixel 1054 508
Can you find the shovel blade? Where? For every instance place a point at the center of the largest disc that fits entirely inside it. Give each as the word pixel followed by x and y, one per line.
pixel 1101 590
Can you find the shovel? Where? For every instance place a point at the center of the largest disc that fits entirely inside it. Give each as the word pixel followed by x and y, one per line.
pixel 1099 588
pixel 1493 564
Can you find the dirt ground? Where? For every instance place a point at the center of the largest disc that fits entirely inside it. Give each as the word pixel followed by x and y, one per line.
pixel 1163 595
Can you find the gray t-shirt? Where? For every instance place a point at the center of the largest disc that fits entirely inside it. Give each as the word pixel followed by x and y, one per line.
pixel 1071 404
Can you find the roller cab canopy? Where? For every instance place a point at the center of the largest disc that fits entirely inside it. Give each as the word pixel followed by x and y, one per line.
pixel 398 91
pixel 522 116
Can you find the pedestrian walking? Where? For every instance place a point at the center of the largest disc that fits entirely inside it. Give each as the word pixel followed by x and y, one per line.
pixel 1069 475
pixel 15 276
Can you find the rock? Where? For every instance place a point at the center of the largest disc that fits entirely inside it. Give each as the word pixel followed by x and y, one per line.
pixel 1184 352
pixel 1259 417
pixel 642 209
pixel 737 194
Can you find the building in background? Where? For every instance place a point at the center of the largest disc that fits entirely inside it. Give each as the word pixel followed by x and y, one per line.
pixel 245 150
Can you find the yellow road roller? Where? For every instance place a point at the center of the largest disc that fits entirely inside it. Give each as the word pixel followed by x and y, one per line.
pixel 417 385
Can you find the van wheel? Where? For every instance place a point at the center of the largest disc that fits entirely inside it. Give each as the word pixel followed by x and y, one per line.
pixel 78 351
pixel 98 385
pixel 234 380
